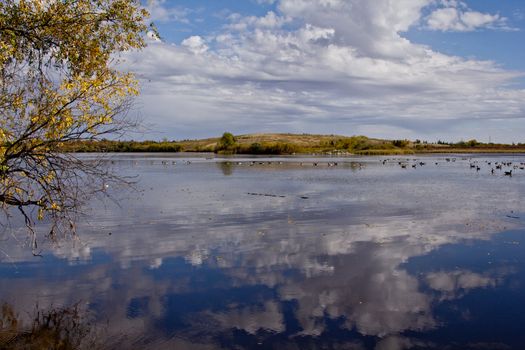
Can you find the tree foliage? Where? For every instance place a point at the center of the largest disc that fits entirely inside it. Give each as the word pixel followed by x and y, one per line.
pixel 227 142
pixel 58 83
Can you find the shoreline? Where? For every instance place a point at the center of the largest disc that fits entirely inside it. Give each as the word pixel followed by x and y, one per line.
pixel 322 154
pixel 293 144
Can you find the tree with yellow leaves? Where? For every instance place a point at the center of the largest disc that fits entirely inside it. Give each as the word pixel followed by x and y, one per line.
pixel 58 83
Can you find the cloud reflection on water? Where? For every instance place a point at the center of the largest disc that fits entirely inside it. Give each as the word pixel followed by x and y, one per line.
pixel 195 235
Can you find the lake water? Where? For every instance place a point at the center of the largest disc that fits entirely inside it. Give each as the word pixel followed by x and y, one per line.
pixel 278 253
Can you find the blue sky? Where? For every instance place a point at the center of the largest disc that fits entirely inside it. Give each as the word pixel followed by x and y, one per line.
pixel 427 69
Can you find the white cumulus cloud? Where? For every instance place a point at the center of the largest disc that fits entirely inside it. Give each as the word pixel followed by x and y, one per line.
pixel 456 16
pixel 195 44
pixel 337 66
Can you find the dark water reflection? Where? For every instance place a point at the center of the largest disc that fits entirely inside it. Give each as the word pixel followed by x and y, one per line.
pixel 239 255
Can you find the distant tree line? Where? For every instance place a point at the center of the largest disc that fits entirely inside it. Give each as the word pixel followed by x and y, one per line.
pixel 230 144
pixel 122 146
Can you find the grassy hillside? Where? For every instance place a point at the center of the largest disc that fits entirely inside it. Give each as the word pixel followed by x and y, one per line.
pixel 292 144
pixel 255 144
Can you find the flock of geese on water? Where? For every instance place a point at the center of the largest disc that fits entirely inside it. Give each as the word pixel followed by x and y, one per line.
pixel 506 167
pixel 405 163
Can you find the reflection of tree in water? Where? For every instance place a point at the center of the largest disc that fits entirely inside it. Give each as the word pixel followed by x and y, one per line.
pixel 59 328
pixel 226 168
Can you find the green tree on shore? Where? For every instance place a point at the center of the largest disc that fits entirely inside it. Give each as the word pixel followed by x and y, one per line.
pixel 227 142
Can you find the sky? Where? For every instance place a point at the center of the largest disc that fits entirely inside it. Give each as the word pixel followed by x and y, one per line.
pixel 419 69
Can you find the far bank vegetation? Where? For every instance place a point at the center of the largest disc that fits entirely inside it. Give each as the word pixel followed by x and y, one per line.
pixel 286 144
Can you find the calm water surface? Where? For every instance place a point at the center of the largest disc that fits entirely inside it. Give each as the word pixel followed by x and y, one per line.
pixel 226 253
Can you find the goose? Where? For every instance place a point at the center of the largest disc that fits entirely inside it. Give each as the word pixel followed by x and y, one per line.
pixel 508 173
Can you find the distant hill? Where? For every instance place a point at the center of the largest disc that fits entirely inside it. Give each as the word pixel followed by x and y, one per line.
pixel 275 144
pixel 293 143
